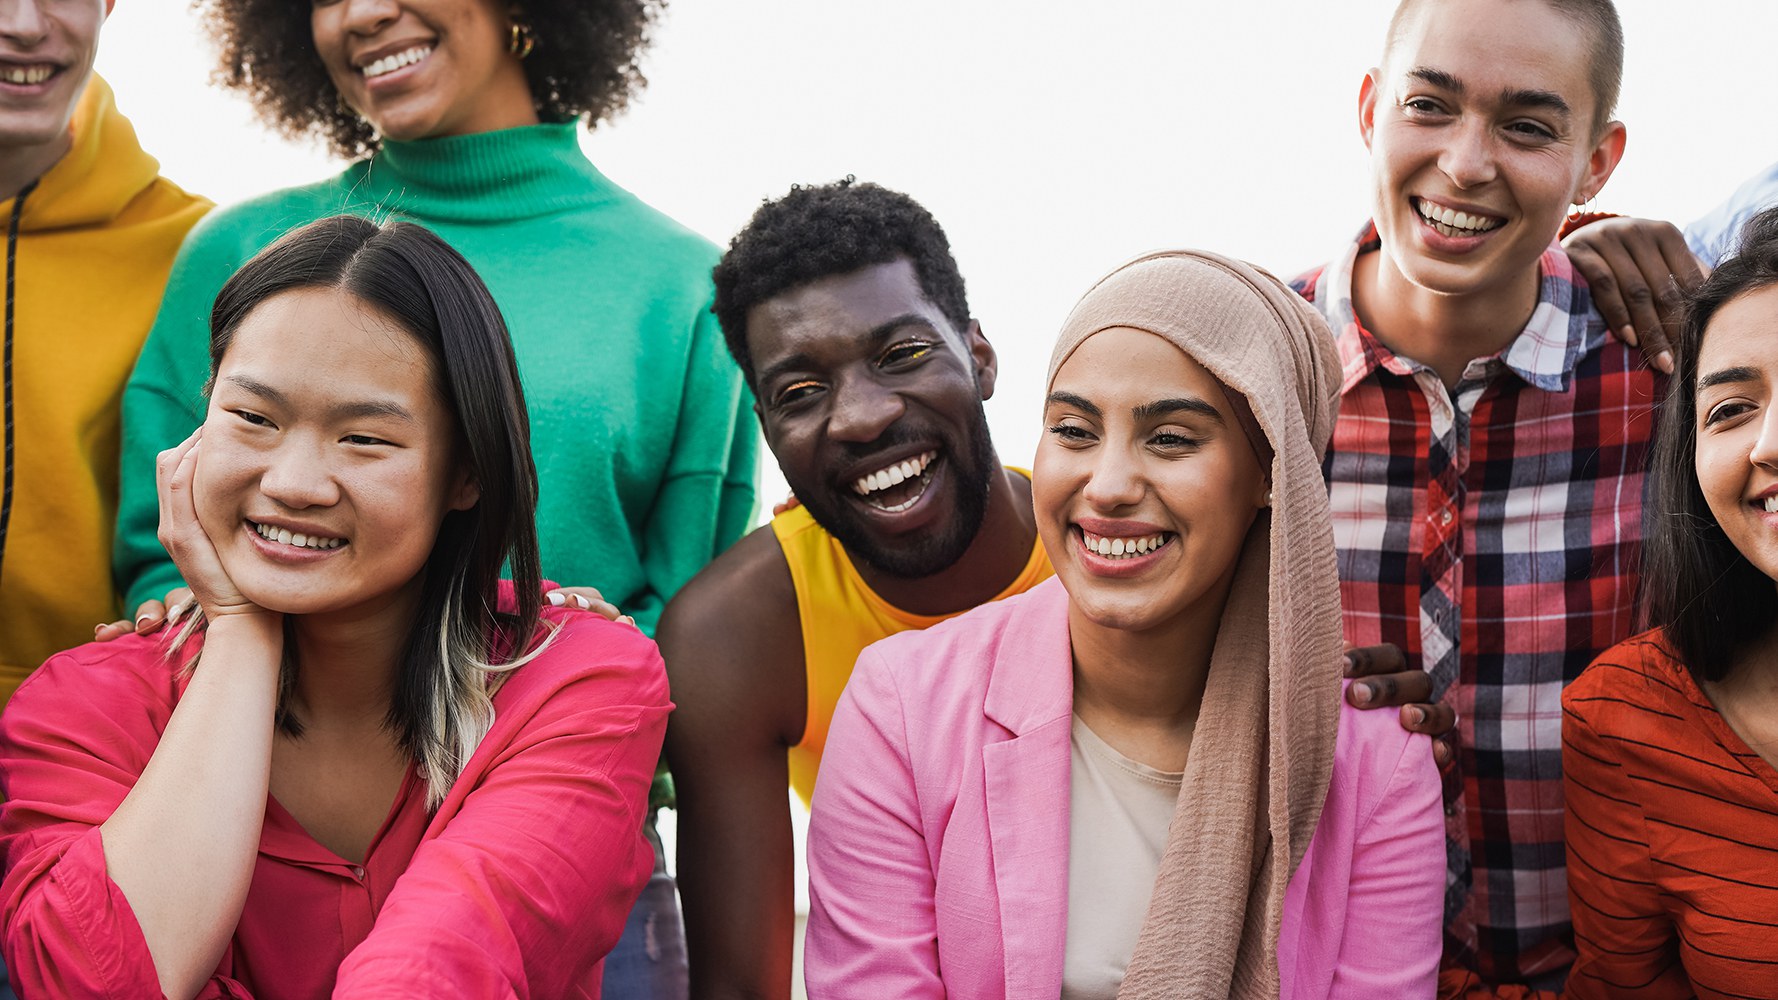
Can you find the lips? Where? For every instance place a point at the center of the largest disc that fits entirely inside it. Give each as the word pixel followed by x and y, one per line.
pixel 1455 223
pixel 296 539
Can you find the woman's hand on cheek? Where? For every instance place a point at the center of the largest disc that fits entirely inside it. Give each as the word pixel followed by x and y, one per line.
pixel 184 538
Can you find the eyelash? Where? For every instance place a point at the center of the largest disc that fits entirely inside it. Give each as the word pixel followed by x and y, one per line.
pixel 1725 411
pixel 917 349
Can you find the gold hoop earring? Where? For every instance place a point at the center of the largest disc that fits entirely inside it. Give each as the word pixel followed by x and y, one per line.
pixel 521 41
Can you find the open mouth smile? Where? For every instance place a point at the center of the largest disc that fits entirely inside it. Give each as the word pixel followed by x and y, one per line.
pixel 394 61
pixel 1450 223
pixel 1123 548
pixel 26 76
pixel 294 539
pixel 898 485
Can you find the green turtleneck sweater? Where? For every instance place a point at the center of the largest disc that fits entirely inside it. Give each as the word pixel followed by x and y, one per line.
pixel 644 438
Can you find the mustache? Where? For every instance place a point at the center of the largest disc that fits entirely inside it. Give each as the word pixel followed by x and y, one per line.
pixel 896 437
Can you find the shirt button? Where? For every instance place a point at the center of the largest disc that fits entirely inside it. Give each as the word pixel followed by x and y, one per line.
pixel 358 871
pixel 1445 518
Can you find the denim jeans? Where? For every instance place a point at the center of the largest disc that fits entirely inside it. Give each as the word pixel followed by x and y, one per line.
pixel 649 960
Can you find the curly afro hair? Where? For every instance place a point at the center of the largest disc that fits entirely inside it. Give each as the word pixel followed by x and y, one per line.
pixel 815 232
pixel 585 63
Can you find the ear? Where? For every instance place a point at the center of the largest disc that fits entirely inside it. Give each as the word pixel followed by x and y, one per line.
pixel 465 492
pixel 987 365
pixel 1606 155
pixel 1369 92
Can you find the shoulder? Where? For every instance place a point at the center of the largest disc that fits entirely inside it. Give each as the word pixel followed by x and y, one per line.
pixel 99 693
pixel 586 656
pixel 667 241
pixel 744 595
pixel 1373 751
pixel 243 228
pixel 1635 687
pixel 1306 283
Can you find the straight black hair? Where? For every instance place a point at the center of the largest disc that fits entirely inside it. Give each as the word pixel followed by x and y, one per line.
pixel 1697 586
pixel 441 709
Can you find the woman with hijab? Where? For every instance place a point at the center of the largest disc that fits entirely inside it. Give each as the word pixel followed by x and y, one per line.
pixel 1140 779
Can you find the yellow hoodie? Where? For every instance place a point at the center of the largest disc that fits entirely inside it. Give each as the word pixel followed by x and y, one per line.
pixel 96 239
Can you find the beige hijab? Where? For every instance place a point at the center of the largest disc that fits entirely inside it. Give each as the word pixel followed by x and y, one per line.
pixel 1252 794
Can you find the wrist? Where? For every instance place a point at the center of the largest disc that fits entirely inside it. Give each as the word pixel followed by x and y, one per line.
pixel 257 626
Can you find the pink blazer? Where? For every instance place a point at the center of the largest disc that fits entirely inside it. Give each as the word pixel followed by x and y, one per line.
pixel 938 848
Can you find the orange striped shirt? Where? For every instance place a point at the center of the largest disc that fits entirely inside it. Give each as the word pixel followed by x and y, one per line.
pixel 1672 833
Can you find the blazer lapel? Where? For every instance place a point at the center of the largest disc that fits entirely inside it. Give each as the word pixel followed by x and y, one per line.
pixel 1031 694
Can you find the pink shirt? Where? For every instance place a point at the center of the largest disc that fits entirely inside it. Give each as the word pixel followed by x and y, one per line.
pixel 938 847
pixel 516 887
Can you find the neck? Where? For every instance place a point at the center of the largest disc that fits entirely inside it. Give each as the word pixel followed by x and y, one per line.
pixel 20 165
pixel 349 661
pixel 1149 679
pixel 1443 331
pixel 995 558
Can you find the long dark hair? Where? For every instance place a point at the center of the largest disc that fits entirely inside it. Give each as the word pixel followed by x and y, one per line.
pixel 1710 600
pixel 441 708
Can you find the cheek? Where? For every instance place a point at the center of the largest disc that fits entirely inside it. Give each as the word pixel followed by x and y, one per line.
pixel 1721 466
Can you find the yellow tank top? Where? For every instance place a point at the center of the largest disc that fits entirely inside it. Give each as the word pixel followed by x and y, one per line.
pixel 840 616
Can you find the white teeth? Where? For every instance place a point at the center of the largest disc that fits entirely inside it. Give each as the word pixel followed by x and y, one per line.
pixel 296 539
pixel 1451 222
pixel 889 476
pixel 389 64
pixel 1771 504
pixel 1122 548
pixel 26 74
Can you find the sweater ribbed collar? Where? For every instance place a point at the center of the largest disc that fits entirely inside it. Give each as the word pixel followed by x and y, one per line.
pixel 494 176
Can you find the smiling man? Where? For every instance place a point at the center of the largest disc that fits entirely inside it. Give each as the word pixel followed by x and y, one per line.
pixel 1486 472
pixel 92 230
pixel 846 312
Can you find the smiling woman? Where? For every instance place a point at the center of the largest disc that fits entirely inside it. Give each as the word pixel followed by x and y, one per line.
pixel 1048 795
pixel 373 756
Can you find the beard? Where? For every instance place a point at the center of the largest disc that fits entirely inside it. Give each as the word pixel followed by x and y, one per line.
pixel 973 464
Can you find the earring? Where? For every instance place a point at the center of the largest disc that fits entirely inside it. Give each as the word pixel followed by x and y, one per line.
pixel 522 41
pixel 1268 502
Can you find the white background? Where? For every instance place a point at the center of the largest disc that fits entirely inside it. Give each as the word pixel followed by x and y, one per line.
pixel 1052 140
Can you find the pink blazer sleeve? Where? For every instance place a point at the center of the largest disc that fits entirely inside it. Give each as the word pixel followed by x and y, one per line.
pixel 878 937
pixel 534 860
pixel 73 741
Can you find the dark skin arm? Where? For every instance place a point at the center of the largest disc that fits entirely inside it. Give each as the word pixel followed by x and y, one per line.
pixel 1384 680
pixel 733 647
pixel 1639 271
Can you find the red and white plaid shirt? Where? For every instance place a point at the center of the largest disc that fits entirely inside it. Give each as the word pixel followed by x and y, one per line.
pixel 1494 533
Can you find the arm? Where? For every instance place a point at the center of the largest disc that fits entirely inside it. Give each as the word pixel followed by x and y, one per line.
pixel 706 499
pixel 1392 932
pixel 873 930
pixel 540 855
pixel 1623 938
pixel 180 847
pixel 162 402
pixel 733 646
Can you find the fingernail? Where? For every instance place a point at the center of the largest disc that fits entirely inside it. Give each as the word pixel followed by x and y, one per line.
pixel 99 628
pixel 1664 361
pixel 556 598
pixel 1362 694
pixel 582 603
pixel 627 620
pixel 177 613
pixel 143 620
pixel 1629 335
pixel 1345 663
pixel 1417 716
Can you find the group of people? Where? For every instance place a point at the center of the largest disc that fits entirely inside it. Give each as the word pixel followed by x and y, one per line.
pixel 1105 727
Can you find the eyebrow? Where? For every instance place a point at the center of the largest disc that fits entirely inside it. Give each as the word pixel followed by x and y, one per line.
pixel 1144 413
pixel 1739 373
pixel 802 361
pixel 1512 97
pixel 355 410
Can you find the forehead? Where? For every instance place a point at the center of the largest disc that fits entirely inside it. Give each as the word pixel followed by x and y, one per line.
pixel 840 316
pixel 1494 47
pixel 1743 332
pixel 1123 365
pixel 328 342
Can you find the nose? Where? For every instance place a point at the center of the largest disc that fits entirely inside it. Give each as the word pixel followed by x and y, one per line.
pixel 1468 160
pixel 1765 447
pixel 297 476
pixel 1116 480
pixel 862 410
pixel 367 17
pixel 22 21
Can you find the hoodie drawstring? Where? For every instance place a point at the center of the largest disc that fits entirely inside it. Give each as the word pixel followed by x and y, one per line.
pixel 12 246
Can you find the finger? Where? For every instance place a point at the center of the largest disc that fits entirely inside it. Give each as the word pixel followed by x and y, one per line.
pixel 1682 264
pixel 1365 661
pixel 107 631
pixel 1443 753
pixel 180 610
pixel 149 616
pixel 627 620
pixel 1590 261
pixel 1650 293
pixel 1404 688
pixel 1433 720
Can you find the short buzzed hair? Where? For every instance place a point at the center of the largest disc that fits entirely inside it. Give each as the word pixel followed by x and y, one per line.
pixel 1598 17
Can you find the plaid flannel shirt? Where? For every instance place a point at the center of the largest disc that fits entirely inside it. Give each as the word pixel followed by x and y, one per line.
pixel 1494 533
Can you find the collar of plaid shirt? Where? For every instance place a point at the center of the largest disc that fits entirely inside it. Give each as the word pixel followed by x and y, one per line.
pixel 1544 353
